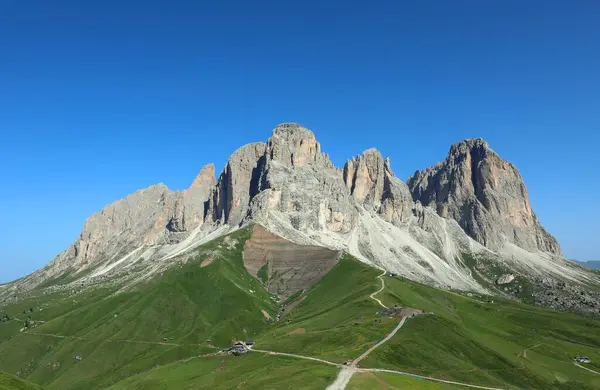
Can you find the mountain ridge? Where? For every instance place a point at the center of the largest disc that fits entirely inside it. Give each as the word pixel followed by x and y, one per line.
pixel 473 202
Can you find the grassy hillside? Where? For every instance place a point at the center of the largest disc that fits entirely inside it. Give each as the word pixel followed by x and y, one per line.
pixel 384 380
pixel 477 341
pixel 252 371
pixel 192 309
pixel 335 319
pixel 9 382
pixel 164 333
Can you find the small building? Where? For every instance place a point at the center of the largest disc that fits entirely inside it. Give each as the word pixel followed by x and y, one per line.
pixel 582 359
pixel 238 349
pixel 250 343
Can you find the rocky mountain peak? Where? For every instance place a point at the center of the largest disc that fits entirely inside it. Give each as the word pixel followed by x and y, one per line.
pixel 229 200
pixel 293 145
pixel 469 144
pixel 292 130
pixel 485 194
pixel 364 175
pixel 371 182
pixel 206 177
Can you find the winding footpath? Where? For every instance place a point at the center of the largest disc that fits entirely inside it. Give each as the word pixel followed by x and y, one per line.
pixel 347 372
pixel 585 368
pixel 296 356
pixel 428 378
pixel 372 296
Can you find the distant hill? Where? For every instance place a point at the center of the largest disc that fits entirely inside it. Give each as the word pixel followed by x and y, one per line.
pixel 590 264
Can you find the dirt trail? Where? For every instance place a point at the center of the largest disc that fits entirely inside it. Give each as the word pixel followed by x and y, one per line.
pixel 585 368
pixel 429 378
pixel 372 296
pixel 524 353
pixel 386 339
pixel 296 356
pixel 347 372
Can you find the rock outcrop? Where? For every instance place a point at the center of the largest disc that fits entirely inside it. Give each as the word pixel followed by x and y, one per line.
pixel 298 184
pixel 485 195
pixel 151 216
pixel 372 183
pixel 190 205
pixel 505 279
pixel 231 196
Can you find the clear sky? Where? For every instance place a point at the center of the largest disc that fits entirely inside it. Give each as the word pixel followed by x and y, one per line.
pixel 101 98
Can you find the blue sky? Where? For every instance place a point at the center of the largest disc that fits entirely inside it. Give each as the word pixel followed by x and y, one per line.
pixel 101 98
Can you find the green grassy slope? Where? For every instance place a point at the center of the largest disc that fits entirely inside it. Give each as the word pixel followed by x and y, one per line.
pixel 120 335
pixel 336 319
pixel 9 382
pixel 99 339
pixel 252 371
pixel 480 342
pixel 384 380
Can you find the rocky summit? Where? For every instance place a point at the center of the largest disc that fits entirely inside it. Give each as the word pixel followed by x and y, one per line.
pixel 461 224
pixel 485 195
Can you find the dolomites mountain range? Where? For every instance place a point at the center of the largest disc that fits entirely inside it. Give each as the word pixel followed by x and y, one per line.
pixel 472 203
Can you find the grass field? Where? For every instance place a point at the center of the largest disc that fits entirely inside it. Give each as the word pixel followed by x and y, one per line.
pixel 9 382
pixel 386 381
pixel 480 342
pixel 153 336
pixel 251 371
pixel 335 320
pixel 107 337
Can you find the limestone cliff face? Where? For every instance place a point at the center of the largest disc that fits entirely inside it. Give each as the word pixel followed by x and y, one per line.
pixel 189 209
pixel 372 183
pixel 485 195
pixel 296 182
pixel 230 198
pixel 151 216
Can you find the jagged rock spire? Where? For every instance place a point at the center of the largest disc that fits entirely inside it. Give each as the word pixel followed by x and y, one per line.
pixel 371 181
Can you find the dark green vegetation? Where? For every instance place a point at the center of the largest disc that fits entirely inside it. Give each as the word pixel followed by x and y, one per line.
pixel 251 371
pixel 163 333
pixel 484 343
pixel 263 273
pixel 9 382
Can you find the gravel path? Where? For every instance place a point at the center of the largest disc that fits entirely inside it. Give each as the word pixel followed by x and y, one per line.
pixel 296 356
pixel 347 372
